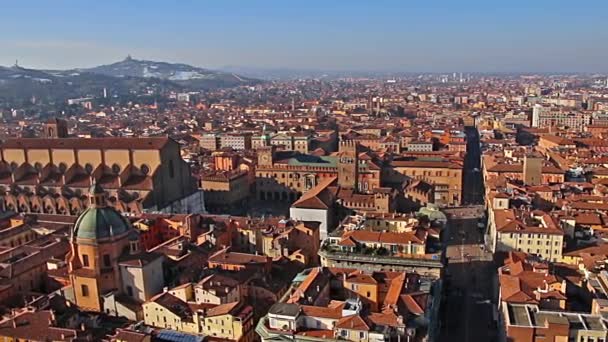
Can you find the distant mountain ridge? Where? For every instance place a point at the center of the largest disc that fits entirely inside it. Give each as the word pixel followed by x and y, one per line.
pixel 121 77
pixel 176 72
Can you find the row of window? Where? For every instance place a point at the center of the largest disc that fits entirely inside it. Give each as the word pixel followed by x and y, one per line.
pixel 538 251
pixel 107 262
pixel 18 242
pixel 538 242
pixel 429 173
pixel 532 235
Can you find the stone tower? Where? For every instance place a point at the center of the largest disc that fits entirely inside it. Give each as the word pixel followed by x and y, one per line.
pixel 533 170
pixel 348 161
pixel 56 128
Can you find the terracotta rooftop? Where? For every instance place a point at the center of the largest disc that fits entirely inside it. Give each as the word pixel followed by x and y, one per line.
pixel 86 143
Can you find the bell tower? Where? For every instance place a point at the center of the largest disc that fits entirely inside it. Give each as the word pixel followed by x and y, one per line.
pixel 348 164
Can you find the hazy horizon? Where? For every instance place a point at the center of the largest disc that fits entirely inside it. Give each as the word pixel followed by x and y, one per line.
pixel 379 36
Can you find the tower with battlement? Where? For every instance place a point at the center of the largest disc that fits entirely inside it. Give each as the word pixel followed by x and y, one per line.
pixel 348 161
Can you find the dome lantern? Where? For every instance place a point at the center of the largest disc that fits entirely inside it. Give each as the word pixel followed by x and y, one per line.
pixel 97 196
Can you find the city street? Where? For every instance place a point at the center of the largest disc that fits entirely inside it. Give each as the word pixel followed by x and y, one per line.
pixel 467 312
pixel 473 191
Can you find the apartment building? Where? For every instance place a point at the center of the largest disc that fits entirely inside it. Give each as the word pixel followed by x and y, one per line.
pixel 533 232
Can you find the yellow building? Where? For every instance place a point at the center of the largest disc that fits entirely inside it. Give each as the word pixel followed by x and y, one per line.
pixel 530 232
pixel 176 310
pixel 364 286
pixel 169 312
pixel 225 190
pixel 232 321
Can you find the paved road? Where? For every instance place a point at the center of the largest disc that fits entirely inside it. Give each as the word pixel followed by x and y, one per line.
pixel 472 183
pixel 467 310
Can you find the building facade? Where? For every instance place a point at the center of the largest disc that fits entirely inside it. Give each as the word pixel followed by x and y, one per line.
pixel 51 175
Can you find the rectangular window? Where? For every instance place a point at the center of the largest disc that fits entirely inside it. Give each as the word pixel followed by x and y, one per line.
pixel 85 260
pixel 85 290
pixel 130 291
pixel 106 260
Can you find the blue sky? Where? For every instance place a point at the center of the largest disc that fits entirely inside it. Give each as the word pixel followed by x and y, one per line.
pixel 405 35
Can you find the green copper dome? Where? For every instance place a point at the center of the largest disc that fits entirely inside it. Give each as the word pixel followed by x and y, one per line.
pixel 100 223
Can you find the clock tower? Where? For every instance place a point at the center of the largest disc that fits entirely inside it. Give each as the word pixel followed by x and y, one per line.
pixel 348 165
pixel 266 155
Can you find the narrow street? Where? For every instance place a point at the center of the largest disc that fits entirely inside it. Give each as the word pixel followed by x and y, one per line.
pixel 467 312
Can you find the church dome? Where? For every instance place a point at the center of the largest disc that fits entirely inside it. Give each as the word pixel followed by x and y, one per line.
pixel 100 223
